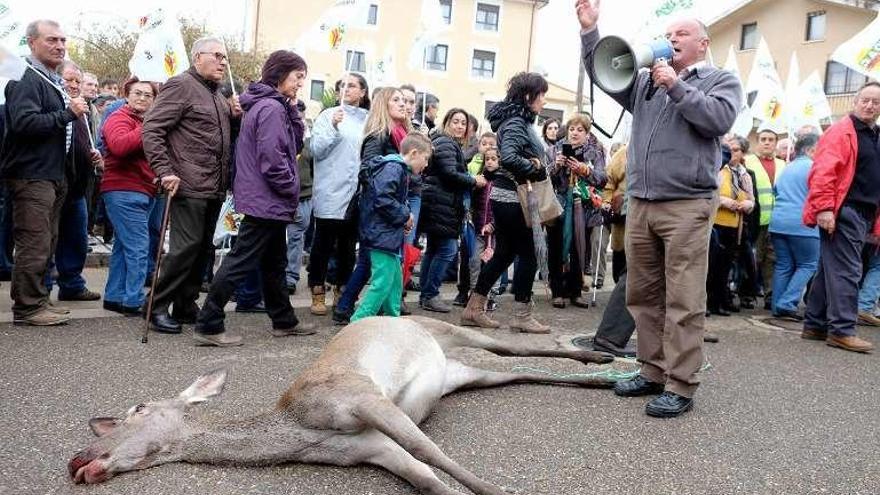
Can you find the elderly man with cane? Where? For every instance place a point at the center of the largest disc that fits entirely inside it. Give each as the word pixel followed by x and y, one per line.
pixel 681 110
pixel 187 139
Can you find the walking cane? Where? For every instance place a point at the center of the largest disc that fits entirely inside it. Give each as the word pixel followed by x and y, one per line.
pixel 166 216
pixel 596 271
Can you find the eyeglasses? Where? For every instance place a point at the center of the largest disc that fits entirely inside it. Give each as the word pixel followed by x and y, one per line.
pixel 141 94
pixel 217 55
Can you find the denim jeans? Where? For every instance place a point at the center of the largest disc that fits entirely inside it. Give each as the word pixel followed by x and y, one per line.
pixel 73 247
pixel 415 207
pixel 129 211
pixel 870 290
pixel 438 256
pixel 797 258
pixel 356 282
pixel 296 234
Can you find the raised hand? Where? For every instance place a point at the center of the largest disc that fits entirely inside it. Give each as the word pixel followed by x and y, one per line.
pixel 587 13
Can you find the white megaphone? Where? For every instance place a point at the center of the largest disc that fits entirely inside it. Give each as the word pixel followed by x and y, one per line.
pixel 616 62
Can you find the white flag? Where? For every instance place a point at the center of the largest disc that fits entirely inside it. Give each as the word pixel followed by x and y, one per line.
pixel 862 52
pixel 431 25
pixel 662 13
pixel 159 52
pixel 764 79
pixel 814 106
pixel 331 30
pixel 744 121
pixel 793 98
pixel 382 70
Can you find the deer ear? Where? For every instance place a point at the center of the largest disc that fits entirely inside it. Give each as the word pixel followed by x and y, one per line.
pixel 205 387
pixel 103 426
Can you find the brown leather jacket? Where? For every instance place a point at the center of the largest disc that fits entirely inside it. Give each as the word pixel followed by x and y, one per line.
pixel 187 134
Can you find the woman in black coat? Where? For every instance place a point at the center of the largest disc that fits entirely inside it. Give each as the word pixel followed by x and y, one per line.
pixel 522 159
pixel 446 182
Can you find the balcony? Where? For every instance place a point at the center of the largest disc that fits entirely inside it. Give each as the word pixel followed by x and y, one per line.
pixel 840 105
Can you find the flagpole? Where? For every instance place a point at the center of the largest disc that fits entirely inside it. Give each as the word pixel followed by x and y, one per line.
pixel 231 81
pixel 424 105
pixel 345 81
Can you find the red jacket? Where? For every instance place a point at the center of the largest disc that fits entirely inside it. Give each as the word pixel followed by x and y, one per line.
pixel 834 166
pixel 125 166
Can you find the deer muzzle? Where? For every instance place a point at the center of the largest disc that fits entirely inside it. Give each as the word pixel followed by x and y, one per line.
pixel 86 467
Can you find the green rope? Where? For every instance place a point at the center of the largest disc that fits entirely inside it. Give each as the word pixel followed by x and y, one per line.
pixel 609 373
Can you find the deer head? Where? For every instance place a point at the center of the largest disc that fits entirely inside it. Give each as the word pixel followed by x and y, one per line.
pixel 150 434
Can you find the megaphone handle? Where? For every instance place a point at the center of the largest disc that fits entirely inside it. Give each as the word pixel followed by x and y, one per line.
pixel 652 89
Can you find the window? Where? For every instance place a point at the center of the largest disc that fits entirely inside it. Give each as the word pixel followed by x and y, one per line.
pixel 356 61
pixel 483 64
pixel 373 15
pixel 317 91
pixel 749 38
pixel 446 10
pixel 435 57
pixel 816 26
pixel 487 17
pixel 840 80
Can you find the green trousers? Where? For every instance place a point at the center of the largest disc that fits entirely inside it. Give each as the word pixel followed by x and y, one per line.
pixel 386 287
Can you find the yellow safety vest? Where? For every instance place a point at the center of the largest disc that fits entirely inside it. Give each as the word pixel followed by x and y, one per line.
pixel 765 198
pixel 725 217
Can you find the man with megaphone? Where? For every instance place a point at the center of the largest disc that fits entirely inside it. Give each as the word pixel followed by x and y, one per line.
pixel 681 107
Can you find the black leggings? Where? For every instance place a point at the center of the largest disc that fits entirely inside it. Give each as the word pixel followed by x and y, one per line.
pixel 332 238
pixel 512 238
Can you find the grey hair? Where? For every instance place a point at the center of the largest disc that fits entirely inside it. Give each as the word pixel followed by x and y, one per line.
pixel 68 64
pixel 201 42
pixel 742 142
pixel 91 75
pixel 804 143
pixel 32 31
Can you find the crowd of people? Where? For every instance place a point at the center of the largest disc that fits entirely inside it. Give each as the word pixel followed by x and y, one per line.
pixel 383 180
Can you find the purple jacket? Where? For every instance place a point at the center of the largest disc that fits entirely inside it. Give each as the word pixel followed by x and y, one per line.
pixel 266 182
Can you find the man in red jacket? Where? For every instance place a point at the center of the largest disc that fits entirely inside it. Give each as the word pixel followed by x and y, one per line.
pixel 843 201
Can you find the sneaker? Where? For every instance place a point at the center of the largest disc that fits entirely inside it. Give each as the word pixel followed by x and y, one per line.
pixel 868 319
pixel 299 329
pixel 434 304
pixel 41 318
pixel 58 310
pixel 224 339
pixel 83 295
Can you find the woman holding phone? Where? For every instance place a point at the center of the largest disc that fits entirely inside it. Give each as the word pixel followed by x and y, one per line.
pixel 576 164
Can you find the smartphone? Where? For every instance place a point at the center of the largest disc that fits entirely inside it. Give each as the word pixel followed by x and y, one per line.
pixel 567 150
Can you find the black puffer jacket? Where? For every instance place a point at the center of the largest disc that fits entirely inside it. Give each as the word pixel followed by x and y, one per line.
pixel 517 143
pixel 445 183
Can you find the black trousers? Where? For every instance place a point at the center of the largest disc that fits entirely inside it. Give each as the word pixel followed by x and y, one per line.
pixel 833 300
pixel 512 238
pixel 564 283
pixel 190 244
pixel 335 238
pixel 261 244
pixel 723 251
pixel 618 264
pixel 617 324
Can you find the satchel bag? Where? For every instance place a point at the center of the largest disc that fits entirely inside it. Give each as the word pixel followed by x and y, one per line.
pixel 549 208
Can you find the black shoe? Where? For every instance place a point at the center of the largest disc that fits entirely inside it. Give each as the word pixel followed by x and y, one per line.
pixel 668 405
pixel 602 345
pixel 460 300
pixel 260 307
pixel 637 387
pixel 404 308
pixel 768 303
pixel 113 306
pixel 501 290
pixel 341 318
pixel 132 310
pixel 733 308
pixel 747 304
pixel 186 317
pixel 788 315
pixel 710 338
pixel 5 276
pixel 163 323
pixel 291 289
pixel 719 311
pixel 413 286
pixel 491 305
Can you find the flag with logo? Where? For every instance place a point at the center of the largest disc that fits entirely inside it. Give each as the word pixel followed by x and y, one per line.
pixel 744 121
pixel 382 71
pixel 332 29
pixel 813 107
pixel 430 26
pixel 159 53
pixel 861 53
pixel 13 46
pixel 768 104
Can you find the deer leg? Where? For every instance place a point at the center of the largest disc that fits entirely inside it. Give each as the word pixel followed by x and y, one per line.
pixel 450 336
pixel 460 376
pixel 398 461
pixel 382 414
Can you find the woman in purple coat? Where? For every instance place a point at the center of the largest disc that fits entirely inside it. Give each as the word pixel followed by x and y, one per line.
pixel 266 191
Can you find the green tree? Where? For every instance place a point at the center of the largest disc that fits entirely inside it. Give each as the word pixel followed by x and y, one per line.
pixel 106 49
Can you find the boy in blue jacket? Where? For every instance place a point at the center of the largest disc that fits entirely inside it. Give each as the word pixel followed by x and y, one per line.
pixel 386 219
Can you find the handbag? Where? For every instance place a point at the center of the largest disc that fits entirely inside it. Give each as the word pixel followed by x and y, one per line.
pixel 549 208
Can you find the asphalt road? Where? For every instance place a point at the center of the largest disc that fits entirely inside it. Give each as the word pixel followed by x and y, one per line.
pixel 776 415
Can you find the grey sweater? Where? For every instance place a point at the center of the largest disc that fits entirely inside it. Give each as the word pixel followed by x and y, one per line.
pixel 675 149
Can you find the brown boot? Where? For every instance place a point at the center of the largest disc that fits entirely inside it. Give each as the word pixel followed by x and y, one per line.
pixel 319 307
pixel 849 343
pixel 41 318
pixel 523 320
pixel 474 315
pixel 337 294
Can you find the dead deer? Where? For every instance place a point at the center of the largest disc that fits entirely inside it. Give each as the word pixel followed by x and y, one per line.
pixel 359 403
